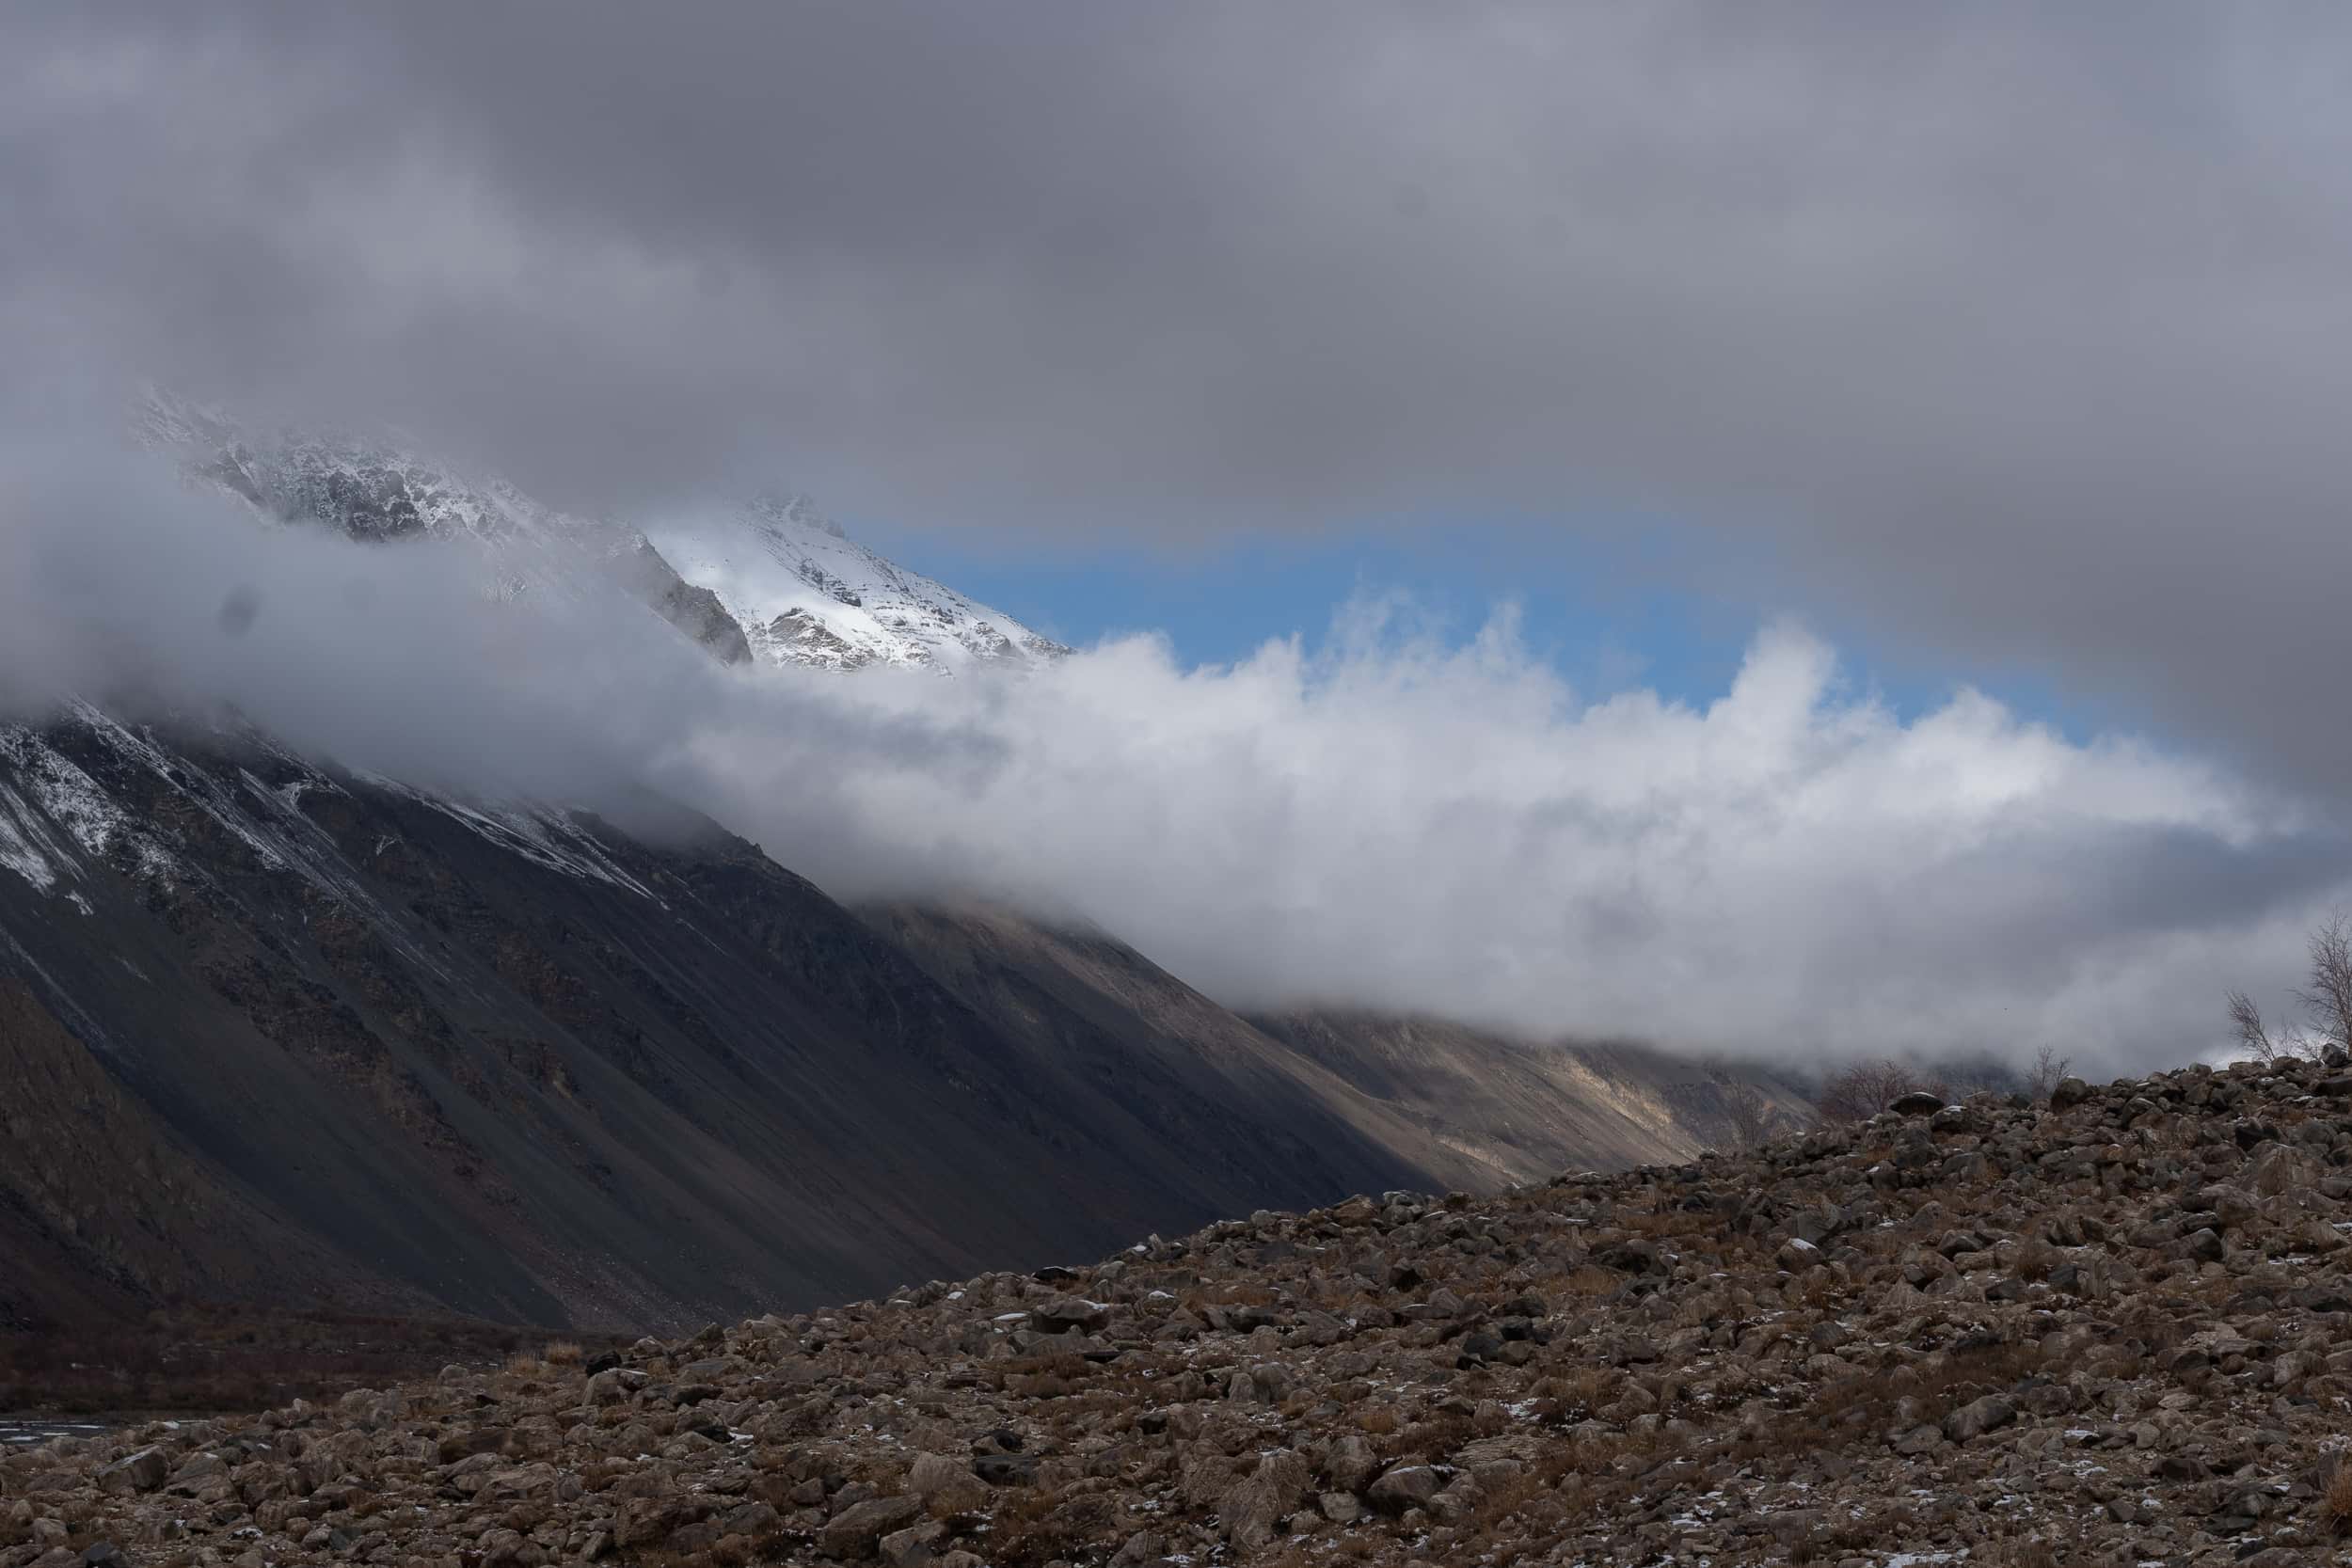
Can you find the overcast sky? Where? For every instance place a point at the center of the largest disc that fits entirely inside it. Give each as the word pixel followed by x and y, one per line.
pixel 2021 328
pixel 2010 334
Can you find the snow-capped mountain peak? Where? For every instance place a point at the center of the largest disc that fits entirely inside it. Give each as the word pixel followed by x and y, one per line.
pixel 773 582
pixel 807 594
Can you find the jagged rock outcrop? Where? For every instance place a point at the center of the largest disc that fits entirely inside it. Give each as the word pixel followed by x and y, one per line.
pixel 2114 1331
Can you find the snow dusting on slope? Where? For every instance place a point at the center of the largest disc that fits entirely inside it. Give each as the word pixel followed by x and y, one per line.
pixel 53 817
pixel 807 594
pixel 802 593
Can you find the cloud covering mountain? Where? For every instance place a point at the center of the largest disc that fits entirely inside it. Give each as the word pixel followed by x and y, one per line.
pixel 1383 815
pixel 2003 336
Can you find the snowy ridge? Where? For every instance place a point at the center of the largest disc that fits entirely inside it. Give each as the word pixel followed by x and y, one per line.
pixel 773 580
pixel 53 817
pixel 60 823
pixel 805 594
pixel 380 494
pixel 546 837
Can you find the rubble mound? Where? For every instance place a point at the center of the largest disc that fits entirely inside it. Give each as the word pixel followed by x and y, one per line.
pixel 2108 1329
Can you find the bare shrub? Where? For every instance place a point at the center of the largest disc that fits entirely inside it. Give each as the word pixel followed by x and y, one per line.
pixel 1748 1118
pixel 2326 999
pixel 2048 1070
pixel 1861 1089
pixel 2247 1028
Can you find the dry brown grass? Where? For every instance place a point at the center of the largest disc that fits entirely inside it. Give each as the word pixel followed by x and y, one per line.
pixel 563 1352
pixel 1589 1280
pixel 2335 1501
pixel 233 1358
pixel 1034 1526
pixel 1434 1440
pixel 1671 1222
pixel 1578 1389
pixel 1816 1288
pixel 1859 1408
pixel 2021 1554
pixel 729 1551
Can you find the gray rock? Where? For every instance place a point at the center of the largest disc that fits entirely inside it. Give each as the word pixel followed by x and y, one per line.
pixel 1270 1492
pixel 1797 1255
pixel 1005 1470
pixel 1068 1314
pixel 1404 1486
pixel 1143 1549
pixel 857 1531
pixel 2231 1205
pixel 913 1546
pixel 143 1471
pixel 1979 1416
pixel 1350 1463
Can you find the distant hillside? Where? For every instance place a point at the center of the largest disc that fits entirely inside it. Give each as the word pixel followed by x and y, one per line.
pixel 1525 1111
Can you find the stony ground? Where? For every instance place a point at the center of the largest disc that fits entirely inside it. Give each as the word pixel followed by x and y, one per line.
pixel 2113 1330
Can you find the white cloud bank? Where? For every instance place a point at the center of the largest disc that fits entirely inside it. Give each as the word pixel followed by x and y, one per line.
pixel 1381 816
pixel 1389 820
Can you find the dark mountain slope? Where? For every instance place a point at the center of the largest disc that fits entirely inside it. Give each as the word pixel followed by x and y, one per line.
pixel 1477 1110
pixel 100 1208
pixel 525 1065
pixel 1165 1059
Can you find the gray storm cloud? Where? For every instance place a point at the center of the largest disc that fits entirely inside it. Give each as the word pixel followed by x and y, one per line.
pixel 1381 816
pixel 2006 333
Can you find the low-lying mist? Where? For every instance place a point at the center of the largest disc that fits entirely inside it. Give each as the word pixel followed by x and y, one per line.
pixel 1379 814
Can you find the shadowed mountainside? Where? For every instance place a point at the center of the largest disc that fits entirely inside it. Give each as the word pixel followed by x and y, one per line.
pixel 276 1033
pixel 523 1064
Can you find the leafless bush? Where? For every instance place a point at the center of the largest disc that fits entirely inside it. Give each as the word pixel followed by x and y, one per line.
pixel 2326 999
pixel 1749 1119
pixel 2048 1070
pixel 1861 1089
pixel 2247 1028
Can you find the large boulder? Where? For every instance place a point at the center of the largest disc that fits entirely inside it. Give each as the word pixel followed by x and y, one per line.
pixel 1249 1510
pixel 857 1530
pixel 1979 1416
pixel 1068 1314
pixel 143 1471
pixel 1404 1486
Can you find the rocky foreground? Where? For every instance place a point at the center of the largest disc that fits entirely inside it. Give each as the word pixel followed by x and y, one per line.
pixel 2112 1329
